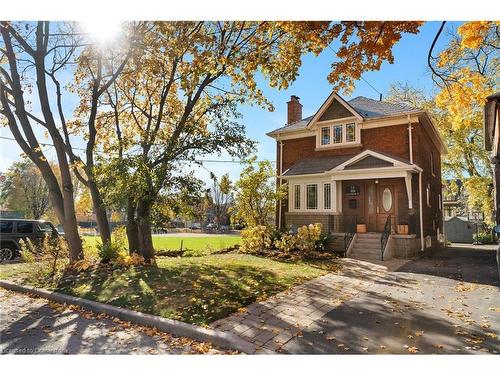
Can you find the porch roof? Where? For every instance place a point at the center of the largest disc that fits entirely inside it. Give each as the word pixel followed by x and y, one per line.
pixel 310 166
pixel 316 165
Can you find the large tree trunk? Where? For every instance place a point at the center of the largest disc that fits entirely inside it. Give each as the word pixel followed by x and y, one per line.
pixel 100 212
pixel 144 229
pixel 132 229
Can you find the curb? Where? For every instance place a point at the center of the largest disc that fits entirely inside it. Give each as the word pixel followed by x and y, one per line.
pixel 224 340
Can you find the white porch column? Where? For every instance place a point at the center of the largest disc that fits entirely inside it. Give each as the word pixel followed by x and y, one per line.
pixel 409 192
pixel 333 194
pixel 339 196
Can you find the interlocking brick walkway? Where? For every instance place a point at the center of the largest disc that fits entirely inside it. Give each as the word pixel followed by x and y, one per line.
pixel 272 323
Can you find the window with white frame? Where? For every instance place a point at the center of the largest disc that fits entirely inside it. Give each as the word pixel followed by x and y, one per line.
pixel 337 133
pixel 312 196
pixel 428 194
pixel 325 135
pixel 327 196
pixel 350 132
pixel 296 197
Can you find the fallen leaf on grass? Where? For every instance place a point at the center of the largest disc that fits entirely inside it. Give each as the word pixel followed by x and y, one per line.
pixel 413 349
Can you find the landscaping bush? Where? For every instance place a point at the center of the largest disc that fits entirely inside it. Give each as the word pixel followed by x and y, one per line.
pixel 308 236
pixel 47 260
pixel 256 239
pixel 484 237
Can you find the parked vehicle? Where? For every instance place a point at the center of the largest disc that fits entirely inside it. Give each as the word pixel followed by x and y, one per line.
pixel 13 230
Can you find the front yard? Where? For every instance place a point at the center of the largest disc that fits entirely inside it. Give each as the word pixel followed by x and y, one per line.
pixel 196 290
pixel 199 242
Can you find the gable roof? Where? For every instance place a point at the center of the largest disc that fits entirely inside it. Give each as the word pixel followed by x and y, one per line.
pixel 363 107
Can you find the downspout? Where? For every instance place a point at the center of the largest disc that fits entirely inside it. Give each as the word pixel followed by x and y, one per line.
pixel 410 140
pixel 280 180
pixel 421 211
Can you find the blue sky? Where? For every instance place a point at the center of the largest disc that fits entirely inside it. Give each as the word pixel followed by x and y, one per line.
pixel 410 65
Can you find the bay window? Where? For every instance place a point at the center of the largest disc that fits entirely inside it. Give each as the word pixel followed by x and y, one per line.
pixel 327 196
pixel 312 197
pixel 296 197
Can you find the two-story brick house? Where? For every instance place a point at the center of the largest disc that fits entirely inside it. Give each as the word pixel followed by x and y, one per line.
pixel 368 170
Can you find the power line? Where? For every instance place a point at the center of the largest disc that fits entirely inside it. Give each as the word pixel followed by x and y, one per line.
pixel 195 160
pixel 364 80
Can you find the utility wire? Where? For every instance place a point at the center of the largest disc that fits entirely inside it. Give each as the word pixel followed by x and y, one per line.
pixel 195 160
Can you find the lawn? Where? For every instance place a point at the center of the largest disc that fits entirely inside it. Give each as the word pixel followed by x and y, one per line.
pixel 196 290
pixel 195 243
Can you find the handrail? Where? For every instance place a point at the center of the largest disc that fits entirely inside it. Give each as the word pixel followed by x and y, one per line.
pixel 350 230
pixel 385 236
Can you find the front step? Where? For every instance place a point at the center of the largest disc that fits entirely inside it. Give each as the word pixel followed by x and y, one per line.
pixel 366 246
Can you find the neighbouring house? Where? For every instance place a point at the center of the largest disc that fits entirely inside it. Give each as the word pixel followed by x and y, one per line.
pixel 492 144
pixel 368 170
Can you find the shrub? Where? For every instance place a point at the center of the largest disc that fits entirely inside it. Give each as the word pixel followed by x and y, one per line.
pixel 484 237
pixel 116 249
pixel 47 260
pixel 256 239
pixel 308 236
pixel 286 243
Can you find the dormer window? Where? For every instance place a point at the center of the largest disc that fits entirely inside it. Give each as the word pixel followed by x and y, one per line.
pixel 325 136
pixel 338 135
pixel 350 132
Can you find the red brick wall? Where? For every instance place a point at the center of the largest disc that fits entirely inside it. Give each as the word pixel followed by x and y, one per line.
pixel 390 139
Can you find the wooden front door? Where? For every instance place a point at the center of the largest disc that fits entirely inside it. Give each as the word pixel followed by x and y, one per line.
pixel 386 204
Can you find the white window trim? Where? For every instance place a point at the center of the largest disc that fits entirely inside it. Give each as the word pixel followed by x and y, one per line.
pixel 303 196
pixel 343 143
pixel 329 135
pixel 293 196
pixel 317 197
pixel 324 185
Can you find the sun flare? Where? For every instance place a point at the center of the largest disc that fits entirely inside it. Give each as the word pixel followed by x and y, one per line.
pixel 103 31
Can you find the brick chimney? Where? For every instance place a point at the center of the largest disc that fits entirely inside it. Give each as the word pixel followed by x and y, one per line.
pixel 294 110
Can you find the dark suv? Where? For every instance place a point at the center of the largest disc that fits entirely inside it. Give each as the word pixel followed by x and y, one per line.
pixel 12 230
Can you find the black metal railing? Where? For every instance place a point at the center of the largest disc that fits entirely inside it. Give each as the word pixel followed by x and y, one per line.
pixel 385 236
pixel 341 223
pixel 350 231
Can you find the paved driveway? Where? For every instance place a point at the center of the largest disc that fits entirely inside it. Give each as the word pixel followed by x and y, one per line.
pixel 446 302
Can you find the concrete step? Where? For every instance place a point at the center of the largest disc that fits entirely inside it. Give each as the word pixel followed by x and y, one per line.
pixel 368 241
pixel 361 250
pixel 369 235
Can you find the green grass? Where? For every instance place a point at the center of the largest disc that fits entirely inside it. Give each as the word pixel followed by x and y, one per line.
pixel 196 290
pixel 195 243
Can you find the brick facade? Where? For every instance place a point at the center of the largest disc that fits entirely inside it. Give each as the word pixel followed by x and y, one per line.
pixel 392 140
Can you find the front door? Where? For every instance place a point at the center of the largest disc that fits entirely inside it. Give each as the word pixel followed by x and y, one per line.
pixel 386 202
